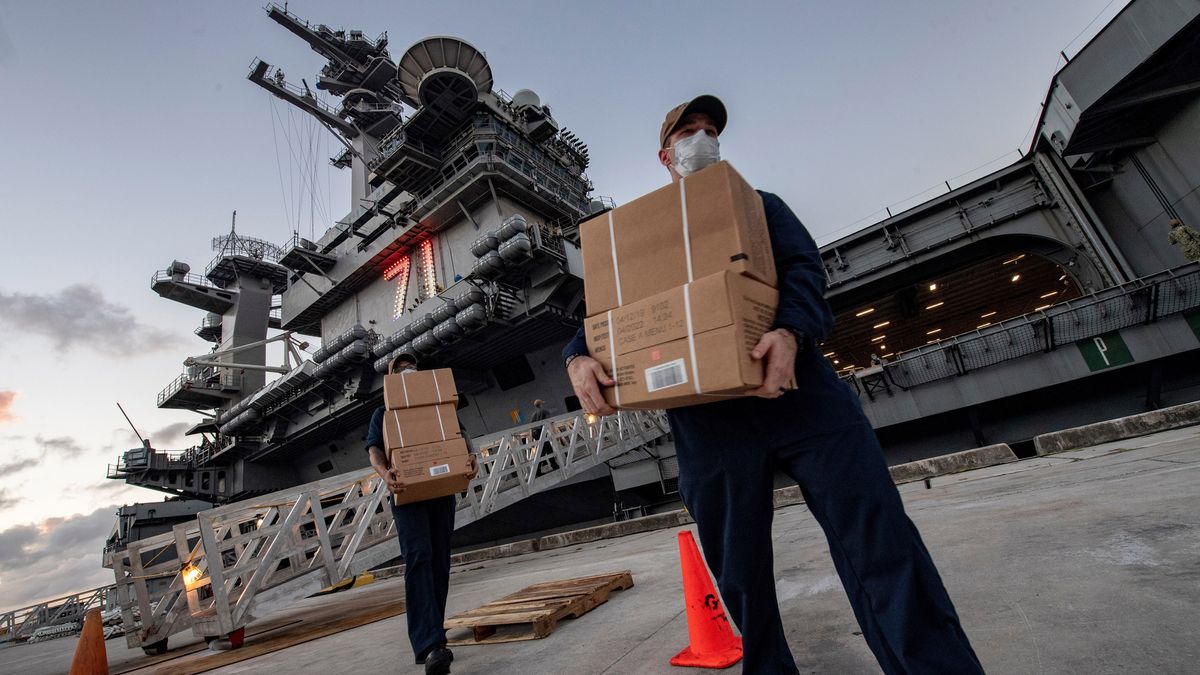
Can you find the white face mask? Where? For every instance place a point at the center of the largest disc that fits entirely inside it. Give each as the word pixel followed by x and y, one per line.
pixel 695 152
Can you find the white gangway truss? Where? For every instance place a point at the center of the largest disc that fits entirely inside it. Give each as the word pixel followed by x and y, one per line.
pixel 241 561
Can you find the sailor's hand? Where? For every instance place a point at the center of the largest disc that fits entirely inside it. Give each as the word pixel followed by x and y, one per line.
pixel 587 376
pixel 777 350
pixel 474 466
pixel 394 483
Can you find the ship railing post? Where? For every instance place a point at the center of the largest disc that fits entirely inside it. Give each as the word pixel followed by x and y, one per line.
pixel 374 492
pixel 280 545
pixel 216 573
pixel 326 547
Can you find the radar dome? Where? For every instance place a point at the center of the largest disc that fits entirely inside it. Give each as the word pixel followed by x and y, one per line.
pixel 526 98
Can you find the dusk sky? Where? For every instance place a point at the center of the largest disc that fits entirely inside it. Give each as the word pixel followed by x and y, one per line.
pixel 130 134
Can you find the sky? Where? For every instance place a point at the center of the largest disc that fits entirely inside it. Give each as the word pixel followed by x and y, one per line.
pixel 130 135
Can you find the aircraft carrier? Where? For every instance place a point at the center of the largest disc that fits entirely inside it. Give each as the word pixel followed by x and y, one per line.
pixel 987 314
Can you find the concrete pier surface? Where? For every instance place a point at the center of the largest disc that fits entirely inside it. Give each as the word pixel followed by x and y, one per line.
pixel 1086 561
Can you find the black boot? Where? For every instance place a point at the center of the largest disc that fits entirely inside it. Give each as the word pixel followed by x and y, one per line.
pixel 438 661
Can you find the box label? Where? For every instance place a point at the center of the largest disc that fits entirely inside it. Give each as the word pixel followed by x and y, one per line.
pixel 669 374
pixel 439 469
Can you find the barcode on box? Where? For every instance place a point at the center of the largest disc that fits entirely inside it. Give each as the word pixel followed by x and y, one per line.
pixel 439 469
pixel 669 374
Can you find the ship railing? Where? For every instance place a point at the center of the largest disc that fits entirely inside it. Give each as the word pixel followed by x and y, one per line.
pixel 240 561
pixel 207 377
pixel 528 459
pixel 18 625
pixel 1142 301
pixel 189 277
pixel 298 92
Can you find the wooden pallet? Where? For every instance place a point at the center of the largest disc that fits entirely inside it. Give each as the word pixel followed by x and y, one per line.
pixel 533 613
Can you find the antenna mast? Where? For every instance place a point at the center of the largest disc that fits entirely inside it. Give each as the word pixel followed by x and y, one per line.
pixel 145 441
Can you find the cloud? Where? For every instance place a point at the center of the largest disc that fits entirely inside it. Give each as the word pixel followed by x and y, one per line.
pixel 6 401
pixel 79 316
pixel 18 465
pixel 54 557
pixel 6 500
pixel 61 447
pixel 171 434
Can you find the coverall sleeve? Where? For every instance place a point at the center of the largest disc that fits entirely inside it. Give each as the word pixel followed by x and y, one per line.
pixel 375 430
pixel 801 273
pixel 577 345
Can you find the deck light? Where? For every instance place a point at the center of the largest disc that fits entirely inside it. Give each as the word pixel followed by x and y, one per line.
pixel 191 574
pixel 935 305
pixel 865 311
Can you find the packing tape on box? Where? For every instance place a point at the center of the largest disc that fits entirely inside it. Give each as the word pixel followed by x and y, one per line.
pixel 612 242
pixel 687 243
pixel 441 425
pixel 687 312
pixel 399 428
pixel 687 246
pixel 612 352
pixel 404 385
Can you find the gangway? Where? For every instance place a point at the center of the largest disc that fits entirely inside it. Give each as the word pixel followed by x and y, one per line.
pixel 18 625
pixel 244 560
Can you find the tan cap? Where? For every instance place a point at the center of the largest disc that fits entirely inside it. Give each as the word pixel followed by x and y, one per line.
pixel 705 103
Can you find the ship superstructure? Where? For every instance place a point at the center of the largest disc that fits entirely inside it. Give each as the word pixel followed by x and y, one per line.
pixel 461 246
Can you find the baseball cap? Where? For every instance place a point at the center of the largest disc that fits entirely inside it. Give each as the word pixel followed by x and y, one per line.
pixel 705 103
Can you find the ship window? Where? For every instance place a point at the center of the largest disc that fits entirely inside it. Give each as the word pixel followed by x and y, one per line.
pixel 513 373
pixel 325 467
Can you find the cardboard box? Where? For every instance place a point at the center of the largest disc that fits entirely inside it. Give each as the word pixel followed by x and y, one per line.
pixel 685 346
pixel 418 426
pixel 712 217
pixel 432 470
pixel 418 388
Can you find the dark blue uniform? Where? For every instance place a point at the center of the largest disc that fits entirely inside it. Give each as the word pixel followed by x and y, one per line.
pixel 424 529
pixel 728 452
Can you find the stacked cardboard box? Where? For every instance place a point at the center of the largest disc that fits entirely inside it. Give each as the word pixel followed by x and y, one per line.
pixel 421 432
pixel 680 287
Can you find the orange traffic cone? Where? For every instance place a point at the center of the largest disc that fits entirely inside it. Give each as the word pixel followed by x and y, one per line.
pixel 90 656
pixel 713 644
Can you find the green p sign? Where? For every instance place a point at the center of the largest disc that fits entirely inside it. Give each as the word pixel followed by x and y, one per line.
pixel 1104 351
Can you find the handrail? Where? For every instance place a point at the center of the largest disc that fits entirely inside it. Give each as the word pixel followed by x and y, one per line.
pixel 242 557
pixel 19 624
pixel 189 277
pixel 1141 301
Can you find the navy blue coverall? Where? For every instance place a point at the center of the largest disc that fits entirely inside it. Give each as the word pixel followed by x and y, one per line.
pixel 424 529
pixel 818 435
